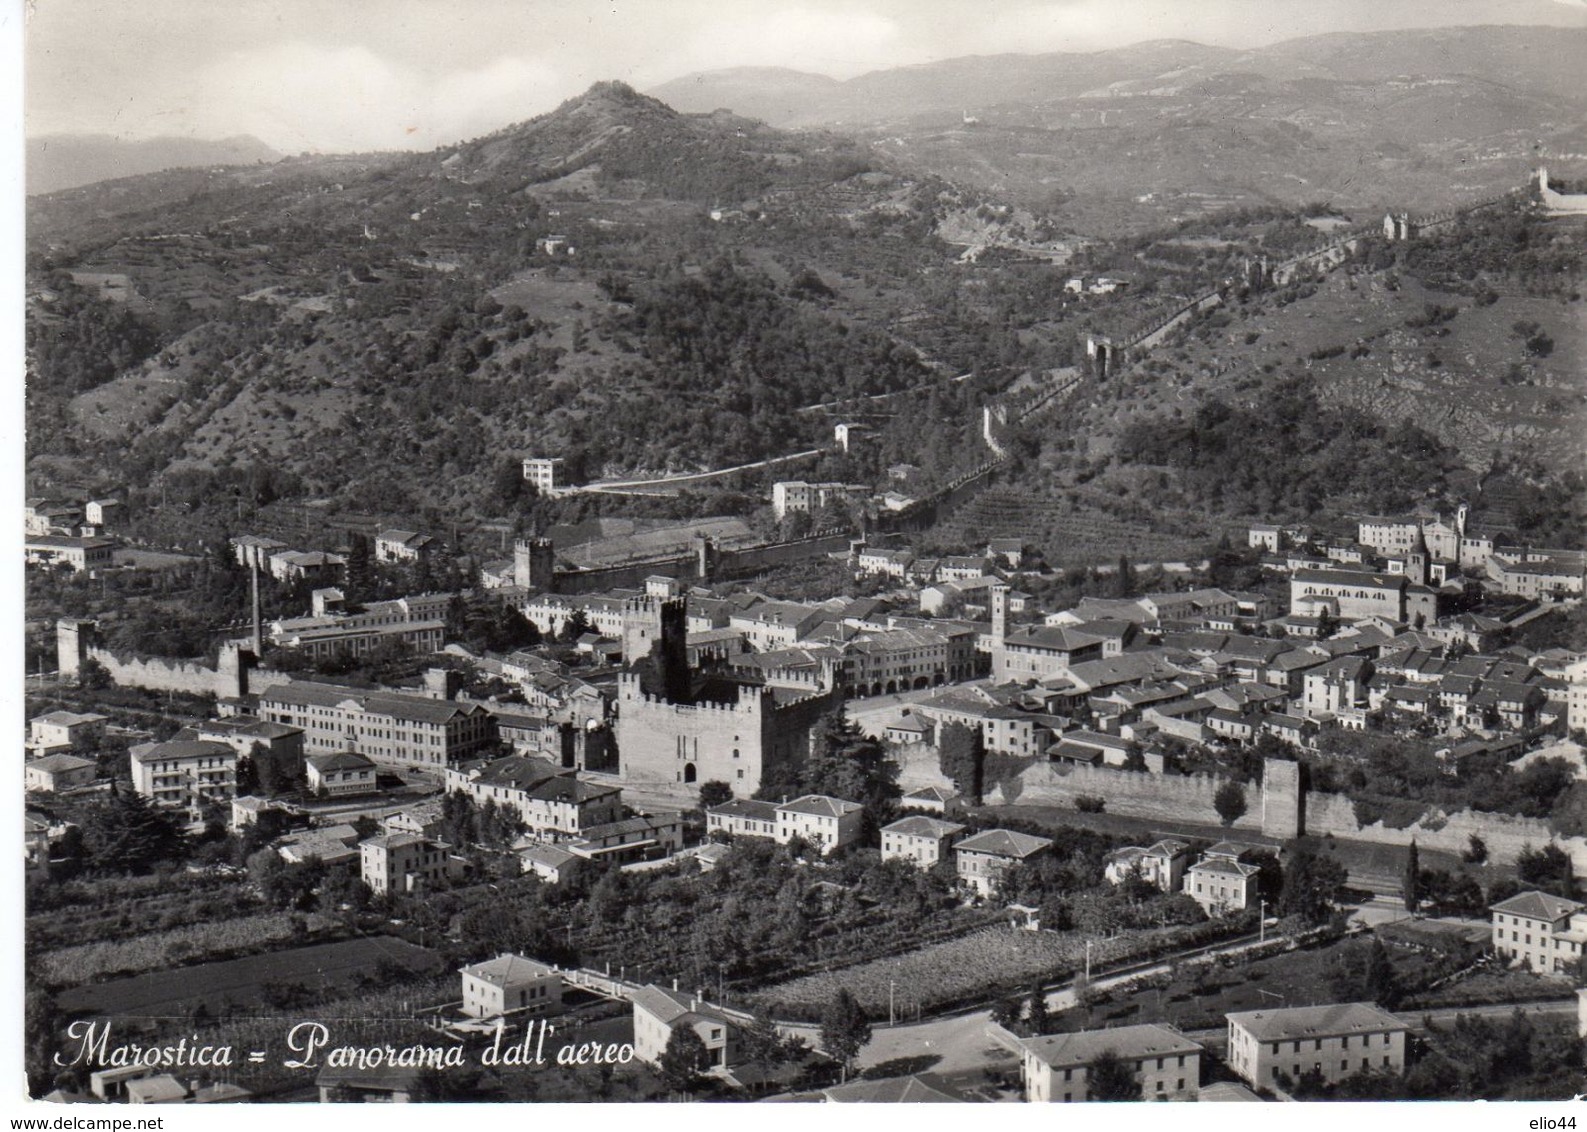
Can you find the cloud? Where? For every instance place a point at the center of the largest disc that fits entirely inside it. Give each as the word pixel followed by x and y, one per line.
pixel 302 96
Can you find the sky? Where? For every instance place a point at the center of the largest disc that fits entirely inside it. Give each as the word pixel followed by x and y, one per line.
pixel 341 75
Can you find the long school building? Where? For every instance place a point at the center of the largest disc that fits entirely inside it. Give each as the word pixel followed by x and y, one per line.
pixel 413 732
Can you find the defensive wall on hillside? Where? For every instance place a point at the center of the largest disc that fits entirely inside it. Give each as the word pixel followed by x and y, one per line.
pixel 705 563
pixel 1272 807
pixel 923 513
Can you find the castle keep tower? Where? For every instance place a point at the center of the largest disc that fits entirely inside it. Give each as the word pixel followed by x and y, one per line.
pixel 656 630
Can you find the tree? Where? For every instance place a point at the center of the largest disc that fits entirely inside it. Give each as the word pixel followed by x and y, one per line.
pixel 714 793
pixel 1036 1011
pixel 961 755
pixel 1547 868
pixel 1229 801
pixel 1110 1078
pixel 1124 582
pixel 1006 1011
pixel 127 834
pixel 684 1060
pixel 1476 851
pixel 762 1044
pixel 844 1030
pixel 1410 887
pixel 1311 883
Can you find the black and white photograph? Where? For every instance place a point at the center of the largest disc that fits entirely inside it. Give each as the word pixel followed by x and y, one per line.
pixel 798 551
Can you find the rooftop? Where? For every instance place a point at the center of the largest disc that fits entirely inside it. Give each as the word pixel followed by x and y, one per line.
pixel 1003 843
pixel 1315 1021
pixel 1130 1043
pixel 508 969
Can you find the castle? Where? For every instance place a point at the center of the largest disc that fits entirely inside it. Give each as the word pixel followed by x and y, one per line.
pixel 676 729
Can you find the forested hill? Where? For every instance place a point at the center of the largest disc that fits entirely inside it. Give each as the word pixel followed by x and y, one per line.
pixel 393 331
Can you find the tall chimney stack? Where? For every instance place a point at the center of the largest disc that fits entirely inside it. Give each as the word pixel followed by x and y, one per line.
pixel 258 629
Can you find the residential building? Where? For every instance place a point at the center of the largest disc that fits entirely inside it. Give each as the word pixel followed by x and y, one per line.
pixel 1161 864
pixel 1055 1067
pixel 1336 1041
pixel 883 561
pixel 403 862
pixel 317 567
pixel 402 546
pixel 81 554
pixel 190 773
pixel 250 735
pixel 545 473
pixel 101 513
pixel 982 859
pixel 743 818
pixel 551 863
pixel 643 837
pixel 255 550
pixel 791 496
pixel 415 732
pixel 1337 688
pixel 56 773
pixel 658 1012
pixel 821 822
pixel 1223 881
pixel 340 772
pixel 1541 931
pixel 934 799
pixel 58 732
pixel 552 801
pixel 920 840
pixel 511 985
pixel 1389 537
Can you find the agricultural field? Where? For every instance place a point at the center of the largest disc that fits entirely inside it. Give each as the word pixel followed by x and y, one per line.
pixel 978 967
pixel 88 962
pixel 321 969
pixel 1070 533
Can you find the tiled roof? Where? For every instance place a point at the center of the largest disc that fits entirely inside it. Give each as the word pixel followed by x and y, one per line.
pixel 819 805
pixel 1315 1021
pixel 1004 843
pixel 747 808
pixel 340 760
pixel 1130 1043
pixel 507 969
pixel 920 826
pixel 1536 905
pixel 308 693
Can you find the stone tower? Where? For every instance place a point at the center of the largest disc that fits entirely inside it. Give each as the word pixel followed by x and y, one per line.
pixel 73 637
pixel 534 564
pixel 704 557
pixel 1283 813
pixel 1416 560
pixel 657 630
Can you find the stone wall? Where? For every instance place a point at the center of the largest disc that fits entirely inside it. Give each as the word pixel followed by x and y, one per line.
pixel 160 675
pixel 1189 799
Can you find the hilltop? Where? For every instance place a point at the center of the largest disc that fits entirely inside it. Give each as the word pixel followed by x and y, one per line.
pixel 65 161
pixel 1124 140
pixel 637 290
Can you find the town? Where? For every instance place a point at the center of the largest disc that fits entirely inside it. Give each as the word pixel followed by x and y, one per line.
pixel 798 590
pixel 1083 806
